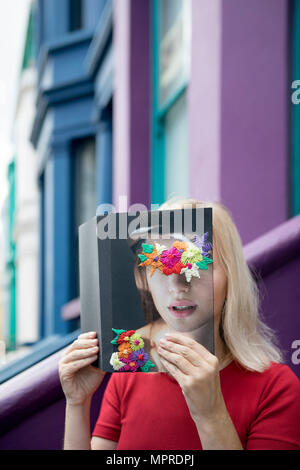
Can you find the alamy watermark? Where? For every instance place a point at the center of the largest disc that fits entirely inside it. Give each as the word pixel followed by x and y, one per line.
pixel 296 94
pixel 137 221
pixel 295 358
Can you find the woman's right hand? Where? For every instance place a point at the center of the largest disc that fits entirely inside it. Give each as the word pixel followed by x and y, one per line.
pixel 79 379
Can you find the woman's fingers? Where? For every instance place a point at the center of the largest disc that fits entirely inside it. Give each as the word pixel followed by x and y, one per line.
pixel 85 340
pixel 181 363
pixel 84 343
pixel 185 352
pixel 80 353
pixel 184 340
pixel 89 334
pixel 74 366
pixel 84 346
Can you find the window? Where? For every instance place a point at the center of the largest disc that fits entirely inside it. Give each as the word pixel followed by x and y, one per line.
pixel 75 15
pixel 171 71
pixel 84 191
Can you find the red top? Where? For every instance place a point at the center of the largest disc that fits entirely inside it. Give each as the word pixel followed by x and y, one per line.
pixel 148 410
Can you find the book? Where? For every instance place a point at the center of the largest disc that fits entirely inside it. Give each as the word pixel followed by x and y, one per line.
pixel 142 275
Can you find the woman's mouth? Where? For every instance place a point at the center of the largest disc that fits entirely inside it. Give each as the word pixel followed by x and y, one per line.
pixel 182 308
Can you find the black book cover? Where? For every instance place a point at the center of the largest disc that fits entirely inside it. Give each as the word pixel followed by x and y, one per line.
pixel 142 275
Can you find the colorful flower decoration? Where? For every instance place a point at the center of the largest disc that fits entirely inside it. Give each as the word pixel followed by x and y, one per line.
pixel 191 255
pixel 190 271
pixel 136 342
pixel 116 362
pixel 140 356
pixel 151 257
pixel 124 350
pixel 181 258
pixel 170 257
pixel 203 244
pixel 125 336
pixel 131 355
pixel 129 364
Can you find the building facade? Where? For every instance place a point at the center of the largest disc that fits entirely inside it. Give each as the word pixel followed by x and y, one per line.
pixel 19 216
pixel 142 100
pixel 27 198
pixel 72 134
pixel 139 101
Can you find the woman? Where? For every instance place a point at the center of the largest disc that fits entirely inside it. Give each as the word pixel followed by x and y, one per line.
pixel 241 397
pixel 173 303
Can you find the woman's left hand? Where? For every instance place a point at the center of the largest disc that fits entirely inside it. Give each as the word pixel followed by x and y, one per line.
pixel 197 372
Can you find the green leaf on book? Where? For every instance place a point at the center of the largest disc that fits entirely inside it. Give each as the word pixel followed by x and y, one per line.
pixel 204 262
pixel 147 248
pixel 118 332
pixel 201 265
pixel 145 367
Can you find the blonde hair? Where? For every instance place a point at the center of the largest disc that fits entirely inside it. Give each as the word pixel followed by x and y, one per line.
pixel 249 340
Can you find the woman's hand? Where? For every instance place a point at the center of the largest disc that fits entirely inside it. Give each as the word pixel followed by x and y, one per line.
pixel 197 372
pixel 79 379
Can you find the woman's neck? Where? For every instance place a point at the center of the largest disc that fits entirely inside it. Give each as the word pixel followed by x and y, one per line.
pixel 203 335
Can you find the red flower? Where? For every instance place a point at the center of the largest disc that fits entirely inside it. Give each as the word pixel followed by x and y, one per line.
pixel 175 270
pixel 170 257
pixel 124 335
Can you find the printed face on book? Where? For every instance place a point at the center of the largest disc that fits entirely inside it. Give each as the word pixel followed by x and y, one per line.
pixel 179 277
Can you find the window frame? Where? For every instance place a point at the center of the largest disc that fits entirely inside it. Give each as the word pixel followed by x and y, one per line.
pixel 159 114
pixel 76 146
pixel 43 349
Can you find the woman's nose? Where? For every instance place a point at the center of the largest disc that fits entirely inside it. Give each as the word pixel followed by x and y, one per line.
pixel 177 283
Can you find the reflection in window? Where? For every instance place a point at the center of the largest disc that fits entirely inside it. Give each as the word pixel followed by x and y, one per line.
pixel 176 150
pixel 174 47
pixel 85 183
pixel 84 190
pixel 171 74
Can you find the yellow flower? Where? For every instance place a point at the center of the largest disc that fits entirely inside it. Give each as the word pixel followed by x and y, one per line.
pixel 191 255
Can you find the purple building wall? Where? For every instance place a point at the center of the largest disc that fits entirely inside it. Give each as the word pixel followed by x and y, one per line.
pixel 121 101
pixel 254 120
pixel 275 257
pixel 131 159
pixel 238 110
pixel 33 408
pixel 140 106
pixel 204 101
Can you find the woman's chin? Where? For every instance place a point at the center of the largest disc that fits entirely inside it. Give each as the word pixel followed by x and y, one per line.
pixel 187 323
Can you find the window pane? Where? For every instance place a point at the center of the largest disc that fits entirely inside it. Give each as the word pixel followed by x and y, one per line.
pixel 84 197
pixel 174 49
pixel 85 181
pixel 76 14
pixel 177 150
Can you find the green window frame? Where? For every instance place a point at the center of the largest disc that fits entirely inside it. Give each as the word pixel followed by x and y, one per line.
pixel 11 333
